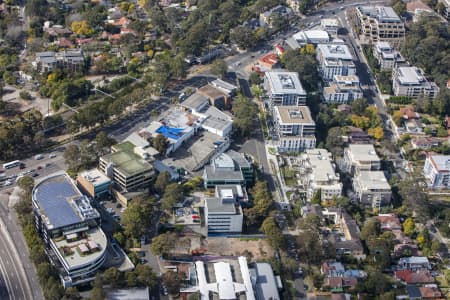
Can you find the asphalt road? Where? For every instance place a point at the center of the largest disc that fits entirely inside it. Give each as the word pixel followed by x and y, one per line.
pixel 18 278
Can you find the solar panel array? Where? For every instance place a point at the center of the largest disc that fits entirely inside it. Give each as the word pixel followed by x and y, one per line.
pixel 52 198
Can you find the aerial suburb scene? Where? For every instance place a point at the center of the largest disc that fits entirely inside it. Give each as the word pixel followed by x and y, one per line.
pixel 224 149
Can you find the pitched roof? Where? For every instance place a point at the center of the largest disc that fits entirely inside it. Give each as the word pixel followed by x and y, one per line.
pixel 410 277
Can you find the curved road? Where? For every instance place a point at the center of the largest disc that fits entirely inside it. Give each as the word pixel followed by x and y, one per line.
pixel 13 281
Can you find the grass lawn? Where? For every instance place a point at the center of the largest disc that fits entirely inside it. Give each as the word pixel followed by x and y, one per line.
pixel 289 176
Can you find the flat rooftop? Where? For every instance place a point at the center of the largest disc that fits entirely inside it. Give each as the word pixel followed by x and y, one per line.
pixel 373 180
pixel 329 22
pixel 60 203
pixel 217 206
pixel 294 114
pixel 440 162
pixel 82 250
pixel 212 92
pixel 128 163
pixel 363 152
pixel 195 101
pixel 219 174
pixel 321 164
pixel 216 119
pixel 410 75
pixel 381 13
pixel 311 35
pixel 335 51
pixel 284 82
pixel 95 177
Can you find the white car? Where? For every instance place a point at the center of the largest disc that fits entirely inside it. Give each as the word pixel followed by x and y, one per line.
pixel 7 182
pixel 53 155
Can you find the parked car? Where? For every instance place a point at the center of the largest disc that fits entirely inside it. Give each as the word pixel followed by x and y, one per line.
pixel 39 156
pixel 52 155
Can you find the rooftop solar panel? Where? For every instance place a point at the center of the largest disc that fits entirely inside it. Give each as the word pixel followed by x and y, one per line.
pixel 51 196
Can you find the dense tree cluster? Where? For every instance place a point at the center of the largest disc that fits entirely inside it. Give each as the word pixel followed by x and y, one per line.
pixel 304 63
pixel 21 135
pixel 244 112
pixel 262 203
pixel 273 232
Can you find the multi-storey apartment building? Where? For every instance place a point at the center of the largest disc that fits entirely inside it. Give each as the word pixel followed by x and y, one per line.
pixel 335 59
pixel 411 82
pixel 294 128
pixel 342 89
pixel 284 88
pixel 372 188
pixel 361 157
pixel 69 227
pixel 379 23
pixel 72 60
pixel 437 171
pixel 387 56
pixel 320 174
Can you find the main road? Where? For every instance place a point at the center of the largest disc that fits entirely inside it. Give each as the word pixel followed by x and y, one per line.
pixel 18 278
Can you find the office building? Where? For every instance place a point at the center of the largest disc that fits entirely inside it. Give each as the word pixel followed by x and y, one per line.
pixel 372 189
pixel 320 174
pixel 284 88
pixel 311 37
pixel 411 82
pixel 128 171
pixel 379 24
pixel 69 227
pixel 94 183
pixel 388 58
pixel 342 89
pixel 223 213
pixel 294 128
pixel 330 25
pixel 361 157
pixel 437 171
pixel 334 59
pixel 230 167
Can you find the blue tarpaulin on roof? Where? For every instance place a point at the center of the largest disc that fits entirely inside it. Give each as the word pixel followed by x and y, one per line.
pixel 170 132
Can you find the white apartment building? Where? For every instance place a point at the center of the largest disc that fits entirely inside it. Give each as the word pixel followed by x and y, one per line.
pixel 311 37
pixel 284 88
pixel 330 25
pixel 361 157
pixel 437 171
pixel 342 89
pixel 335 59
pixel 223 212
pixel 321 174
pixel 294 128
pixel 372 188
pixel 379 23
pixel 72 60
pixel 411 82
pixel 387 56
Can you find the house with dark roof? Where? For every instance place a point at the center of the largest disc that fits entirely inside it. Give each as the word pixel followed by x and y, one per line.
pixel 423 292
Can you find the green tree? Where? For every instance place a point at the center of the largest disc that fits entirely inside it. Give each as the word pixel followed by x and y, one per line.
pixel 163 243
pixel 219 68
pixel 97 292
pixel 162 181
pixel 173 194
pixel 113 276
pixel 370 229
pixel 172 281
pixel 72 157
pixel 274 234
pixel 305 65
pixel 103 142
pixel 317 197
pixel 136 218
pixel 409 226
pixel 145 276
pixel 244 37
pixel 359 106
pixel 244 112
pixel 160 143
pixel 255 78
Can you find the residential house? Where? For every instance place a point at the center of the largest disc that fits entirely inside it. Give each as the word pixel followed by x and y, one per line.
pixel 342 89
pixel 332 269
pixel 430 291
pixel 268 61
pixel 372 188
pixel 334 59
pixel 355 135
pixel 426 142
pixel 411 82
pixel 320 174
pixel 71 60
pixel 266 18
pixel 361 157
pixel 339 283
pixel 379 23
pixel 294 128
pixel 216 97
pixel 405 249
pixel 413 263
pixel 283 88
pixel 414 277
pixel 437 171
pixel 417 9
pixel 388 58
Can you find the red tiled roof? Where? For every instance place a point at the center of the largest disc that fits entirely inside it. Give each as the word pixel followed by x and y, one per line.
pixel 430 292
pixel 417 4
pixel 410 277
pixel 269 59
